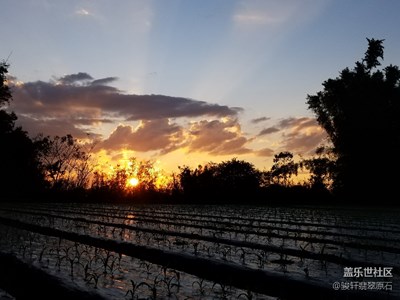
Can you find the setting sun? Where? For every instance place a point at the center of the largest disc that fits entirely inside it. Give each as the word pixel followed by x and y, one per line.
pixel 133 181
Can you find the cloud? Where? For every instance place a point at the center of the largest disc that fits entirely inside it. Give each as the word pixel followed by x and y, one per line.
pixel 218 137
pixel 53 127
pixel 104 81
pixel 276 16
pixel 304 143
pixel 264 152
pixel 290 122
pixel 258 120
pixel 91 122
pixel 301 135
pixel 78 104
pixel 268 130
pixel 214 137
pixel 80 93
pixel 82 12
pixel 256 13
pixel 251 18
pixel 151 135
pixel 74 78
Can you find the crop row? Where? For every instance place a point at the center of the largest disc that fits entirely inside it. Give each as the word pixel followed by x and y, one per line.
pixel 262 233
pixel 244 216
pixel 224 228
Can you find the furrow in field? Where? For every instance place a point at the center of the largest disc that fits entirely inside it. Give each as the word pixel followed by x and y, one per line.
pixel 222 272
pixel 319 237
pixel 243 244
pixel 380 227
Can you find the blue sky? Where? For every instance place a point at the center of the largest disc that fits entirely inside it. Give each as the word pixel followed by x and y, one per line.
pixel 225 70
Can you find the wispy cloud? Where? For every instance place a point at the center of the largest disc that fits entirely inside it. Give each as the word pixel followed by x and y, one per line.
pixel 257 13
pixel 252 18
pixel 298 135
pixel 82 12
pixel 262 13
pixel 301 135
pixel 259 120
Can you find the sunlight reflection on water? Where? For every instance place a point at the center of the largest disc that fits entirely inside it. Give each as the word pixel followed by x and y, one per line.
pixel 130 216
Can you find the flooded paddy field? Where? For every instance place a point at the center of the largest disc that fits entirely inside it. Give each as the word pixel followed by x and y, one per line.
pixel 207 252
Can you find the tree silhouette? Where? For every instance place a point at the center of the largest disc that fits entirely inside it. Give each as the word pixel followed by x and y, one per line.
pixel 115 184
pixel 283 168
pixel 7 120
pixel 238 177
pixel 5 93
pixel 360 111
pixel 229 181
pixel 321 167
pixel 65 163
pixel 20 173
pixel 146 174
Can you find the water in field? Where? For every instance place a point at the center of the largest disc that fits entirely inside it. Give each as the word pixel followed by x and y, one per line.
pixel 309 245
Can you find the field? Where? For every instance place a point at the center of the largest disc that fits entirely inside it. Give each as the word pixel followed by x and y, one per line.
pixel 202 252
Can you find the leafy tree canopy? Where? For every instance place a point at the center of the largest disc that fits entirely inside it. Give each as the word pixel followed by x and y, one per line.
pixel 360 111
pixel 20 174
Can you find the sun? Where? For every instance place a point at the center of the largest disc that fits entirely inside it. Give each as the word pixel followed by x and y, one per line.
pixel 133 181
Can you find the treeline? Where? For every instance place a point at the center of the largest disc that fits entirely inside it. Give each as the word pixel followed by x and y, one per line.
pixel 238 181
pixel 234 181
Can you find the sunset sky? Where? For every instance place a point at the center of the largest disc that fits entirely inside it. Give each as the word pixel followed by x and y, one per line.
pixel 185 82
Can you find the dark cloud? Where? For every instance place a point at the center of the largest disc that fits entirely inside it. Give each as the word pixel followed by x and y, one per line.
pixel 53 127
pixel 73 78
pixel 218 138
pixel 59 100
pixel 258 120
pixel 78 104
pixel 284 123
pixel 268 130
pixel 104 81
pixel 151 135
pixel 159 106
